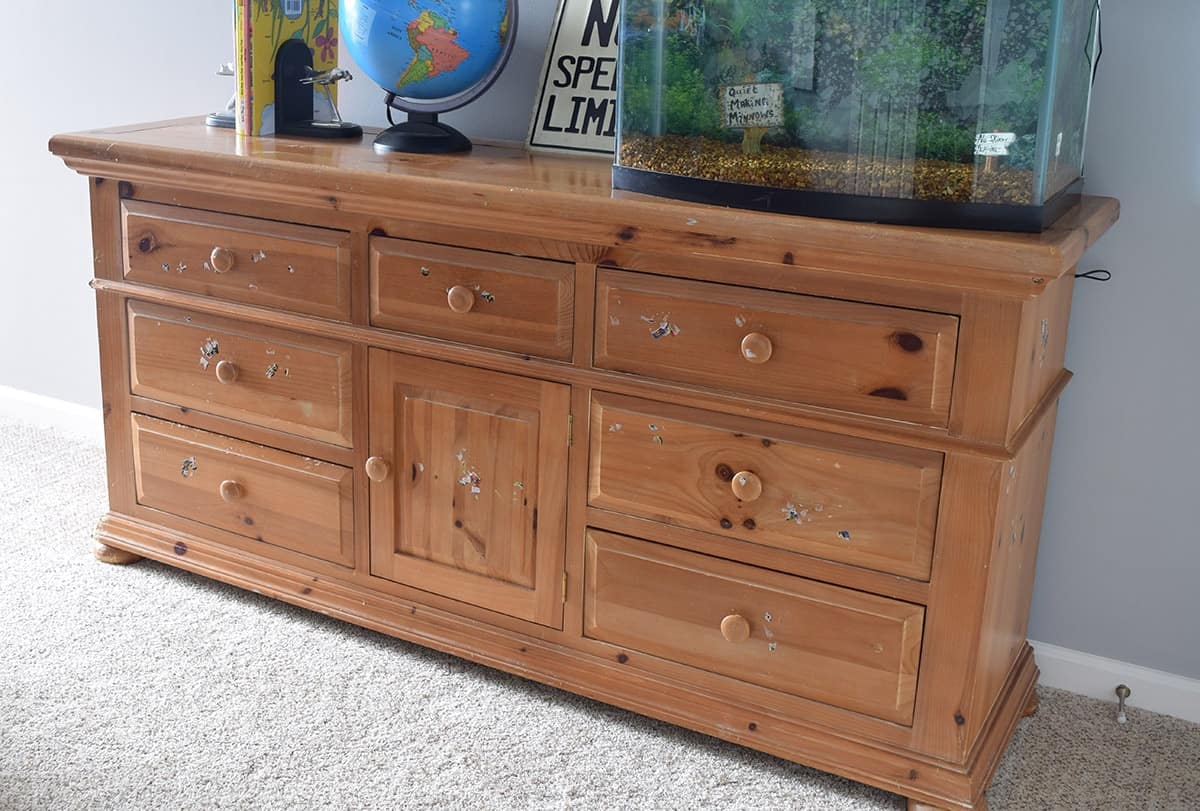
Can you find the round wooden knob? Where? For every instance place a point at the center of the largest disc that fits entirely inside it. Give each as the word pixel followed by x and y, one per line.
pixel 461 299
pixel 735 628
pixel 746 486
pixel 757 348
pixel 231 490
pixel 227 371
pixel 378 469
pixel 221 259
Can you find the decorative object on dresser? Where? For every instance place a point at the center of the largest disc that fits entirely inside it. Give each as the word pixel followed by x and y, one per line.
pixel 776 479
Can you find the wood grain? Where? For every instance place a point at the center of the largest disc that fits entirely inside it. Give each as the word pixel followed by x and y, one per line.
pixel 872 505
pixel 874 360
pixel 514 304
pixel 869 664
pixel 275 264
pixel 286 381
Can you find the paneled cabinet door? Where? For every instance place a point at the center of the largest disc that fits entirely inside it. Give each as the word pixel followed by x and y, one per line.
pixel 468 495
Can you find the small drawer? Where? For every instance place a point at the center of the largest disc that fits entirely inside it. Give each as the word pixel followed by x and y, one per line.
pixel 269 496
pixel 857 357
pixel 281 380
pixel 841 647
pixel 474 297
pixel 850 500
pixel 273 264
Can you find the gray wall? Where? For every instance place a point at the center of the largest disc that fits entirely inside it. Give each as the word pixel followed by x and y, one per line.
pixel 1120 549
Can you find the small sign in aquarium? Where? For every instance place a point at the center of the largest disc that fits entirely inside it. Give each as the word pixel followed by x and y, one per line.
pixel 934 112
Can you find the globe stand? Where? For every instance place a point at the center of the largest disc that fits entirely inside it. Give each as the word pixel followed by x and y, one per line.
pixel 422 133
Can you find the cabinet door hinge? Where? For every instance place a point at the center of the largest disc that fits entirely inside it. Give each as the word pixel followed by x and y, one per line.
pixel 570 430
pixel 564 587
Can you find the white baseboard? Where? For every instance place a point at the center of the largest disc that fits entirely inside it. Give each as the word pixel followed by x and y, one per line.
pixel 71 419
pixel 1066 669
pixel 1097 677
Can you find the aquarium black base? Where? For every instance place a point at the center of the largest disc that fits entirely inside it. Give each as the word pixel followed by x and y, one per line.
pixel 423 134
pixel 890 210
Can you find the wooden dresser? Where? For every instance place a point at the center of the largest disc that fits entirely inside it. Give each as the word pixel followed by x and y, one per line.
pixel 776 479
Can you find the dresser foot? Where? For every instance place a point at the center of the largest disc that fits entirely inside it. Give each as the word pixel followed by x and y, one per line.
pixel 917 805
pixel 111 554
pixel 1031 707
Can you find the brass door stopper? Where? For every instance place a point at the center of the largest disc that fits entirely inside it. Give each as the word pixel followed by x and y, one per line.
pixel 1122 693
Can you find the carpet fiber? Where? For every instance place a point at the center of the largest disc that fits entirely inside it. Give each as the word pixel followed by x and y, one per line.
pixel 146 687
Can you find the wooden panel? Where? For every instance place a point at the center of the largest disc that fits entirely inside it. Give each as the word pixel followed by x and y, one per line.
pixel 849 649
pixel 515 303
pixel 277 498
pixel 853 501
pixel 238 258
pixel 283 380
pixel 855 357
pixel 474 505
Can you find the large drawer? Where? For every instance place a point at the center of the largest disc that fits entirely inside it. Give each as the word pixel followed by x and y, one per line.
pixel 267 495
pixel 855 501
pixel 841 647
pixel 474 297
pixel 273 264
pixel 857 357
pixel 277 379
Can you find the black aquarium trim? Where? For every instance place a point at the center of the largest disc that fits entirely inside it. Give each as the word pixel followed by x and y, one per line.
pixel 889 210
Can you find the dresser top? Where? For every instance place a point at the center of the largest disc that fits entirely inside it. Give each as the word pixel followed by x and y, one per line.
pixel 513 190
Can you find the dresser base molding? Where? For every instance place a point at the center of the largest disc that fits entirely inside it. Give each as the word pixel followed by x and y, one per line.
pixel 927 782
pixel 113 555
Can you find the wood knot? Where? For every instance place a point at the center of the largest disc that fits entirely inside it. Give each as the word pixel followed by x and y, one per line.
pixel 749 523
pixel 306 590
pixel 959 719
pixel 753 727
pixel 913 774
pixel 889 393
pixel 147 244
pixel 724 473
pixel 180 548
pixel 622 658
pixel 908 342
pixel 627 233
pixel 125 188
pixel 726 523
pixel 789 259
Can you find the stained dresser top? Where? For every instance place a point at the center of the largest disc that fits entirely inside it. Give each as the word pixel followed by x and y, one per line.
pixel 500 186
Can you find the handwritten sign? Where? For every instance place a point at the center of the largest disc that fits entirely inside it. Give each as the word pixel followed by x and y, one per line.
pixel 576 107
pixel 751 105
pixel 992 144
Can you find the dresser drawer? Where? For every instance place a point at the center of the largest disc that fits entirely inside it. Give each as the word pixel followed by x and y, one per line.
pixel 850 500
pixel 281 380
pixel 875 360
pixel 474 297
pixel 837 646
pixel 253 261
pixel 260 493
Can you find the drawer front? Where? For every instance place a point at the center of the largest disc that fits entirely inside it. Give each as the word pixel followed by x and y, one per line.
pixel 486 299
pixel 277 379
pixel 854 501
pixel 865 358
pixel 253 261
pixel 260 493
pixel 840 647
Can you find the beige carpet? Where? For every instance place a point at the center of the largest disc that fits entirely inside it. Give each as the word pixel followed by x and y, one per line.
pixel 145 687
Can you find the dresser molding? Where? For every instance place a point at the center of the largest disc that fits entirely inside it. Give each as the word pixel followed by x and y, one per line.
pixel 954 345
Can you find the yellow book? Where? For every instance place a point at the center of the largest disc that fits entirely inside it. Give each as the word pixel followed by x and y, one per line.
pixel 260 27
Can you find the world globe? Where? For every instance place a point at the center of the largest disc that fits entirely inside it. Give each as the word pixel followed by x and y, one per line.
pixel 431 56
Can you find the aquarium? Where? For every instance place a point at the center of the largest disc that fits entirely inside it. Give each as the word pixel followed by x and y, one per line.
pixel 969 113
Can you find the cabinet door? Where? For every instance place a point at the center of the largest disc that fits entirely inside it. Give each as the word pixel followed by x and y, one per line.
pixel 472 499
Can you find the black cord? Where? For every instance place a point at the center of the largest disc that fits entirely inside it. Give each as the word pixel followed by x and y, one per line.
pixel 1100 275
pixel 1099 41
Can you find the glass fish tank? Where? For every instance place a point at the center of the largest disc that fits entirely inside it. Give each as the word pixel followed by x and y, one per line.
pixel 961 113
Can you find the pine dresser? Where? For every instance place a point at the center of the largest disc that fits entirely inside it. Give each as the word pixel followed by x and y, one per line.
pixel 776 479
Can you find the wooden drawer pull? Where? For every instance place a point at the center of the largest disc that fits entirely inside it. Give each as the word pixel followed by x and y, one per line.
pixel 461 299
pixel 757 348
pixel 378 469
pixel 227 371
pixel 746 486
pixel 735 628
pixel 231 490
pixel 221 259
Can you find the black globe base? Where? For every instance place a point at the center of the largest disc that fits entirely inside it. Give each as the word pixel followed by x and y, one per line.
pixel 424 134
